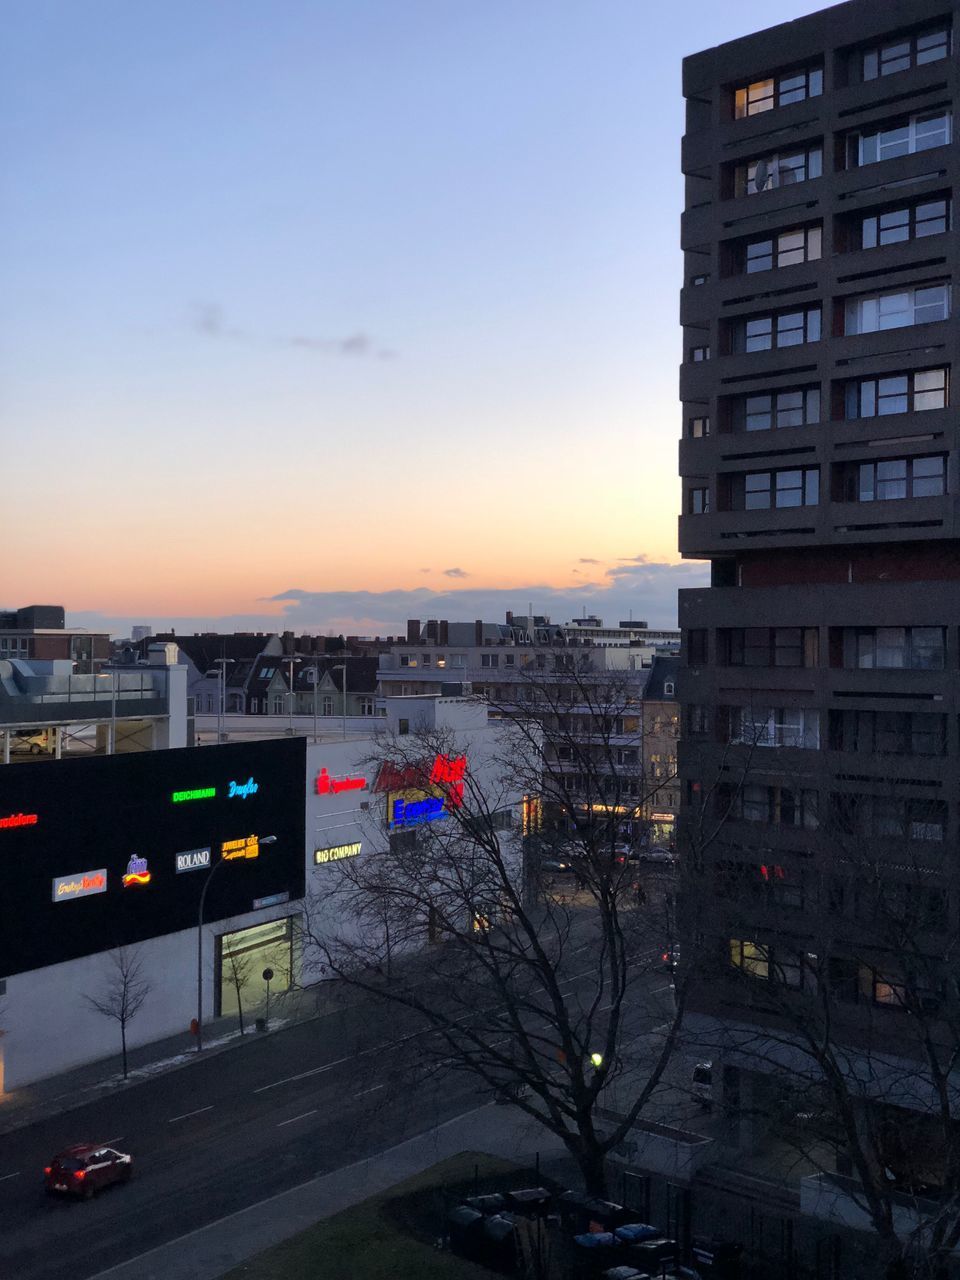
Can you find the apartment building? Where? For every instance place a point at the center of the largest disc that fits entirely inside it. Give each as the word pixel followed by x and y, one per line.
pixel 820 474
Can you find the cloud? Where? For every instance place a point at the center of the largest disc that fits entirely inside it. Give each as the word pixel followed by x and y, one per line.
pixel 208 318
pixel 426 571
pixel 455 573
pixel 588 560
pixel 649 590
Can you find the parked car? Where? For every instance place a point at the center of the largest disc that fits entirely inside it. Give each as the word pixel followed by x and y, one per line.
pixel 86 1168
pixel 658 853
pixel 670 957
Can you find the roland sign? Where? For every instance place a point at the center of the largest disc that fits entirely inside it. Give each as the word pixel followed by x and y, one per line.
pixel 193 860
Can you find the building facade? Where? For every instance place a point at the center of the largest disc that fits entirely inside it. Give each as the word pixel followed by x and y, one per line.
pixel 821 716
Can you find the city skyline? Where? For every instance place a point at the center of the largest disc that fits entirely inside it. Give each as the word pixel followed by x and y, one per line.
pixel 320 315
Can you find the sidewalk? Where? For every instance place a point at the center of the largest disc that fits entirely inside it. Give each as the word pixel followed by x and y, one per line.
pixel 76 1087
pixel 213 1250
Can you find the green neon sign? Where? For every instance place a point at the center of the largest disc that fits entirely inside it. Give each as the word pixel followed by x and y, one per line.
pixel 198 793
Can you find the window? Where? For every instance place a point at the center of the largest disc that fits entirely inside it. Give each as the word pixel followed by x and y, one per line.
pixel 767 173
pixel 403 727
pixel 326 708
pixel 696 638
pixel 509 659
pixel 749 957
pixel 896 648
pixel 780 91
pixel 899 393
pixel 768 646
pixel 918 133
pixel 899 478
pixel 784 250
pixel 775 727
pixel 699 427
pixel 278 705
pixel 698 718
pixel 699 502
pixel 368 706
pixel 776 806
pixel 890 817
pixel 899 733
pixel 897 309
pixel 489 659
pixel 771 410
pixel 425 660
pixel 911 222
pixel 787 329
pixel 905 52
pixel 699 354
pixel 794 488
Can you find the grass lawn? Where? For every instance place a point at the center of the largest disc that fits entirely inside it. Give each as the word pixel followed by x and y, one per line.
pixel 387 1237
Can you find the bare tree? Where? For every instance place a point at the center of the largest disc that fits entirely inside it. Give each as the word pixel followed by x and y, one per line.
pixel 239 965
pixel 123 993
pixel 851 1002
pixel 535 985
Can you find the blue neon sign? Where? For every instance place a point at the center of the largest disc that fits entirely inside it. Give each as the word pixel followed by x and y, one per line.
pixel 409 813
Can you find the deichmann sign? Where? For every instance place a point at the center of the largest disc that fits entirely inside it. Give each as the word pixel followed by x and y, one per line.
pixel 198 793
pixel 81 885
pixel 193 860
pixel 322 856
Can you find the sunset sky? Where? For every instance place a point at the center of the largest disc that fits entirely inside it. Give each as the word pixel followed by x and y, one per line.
pixel 323 314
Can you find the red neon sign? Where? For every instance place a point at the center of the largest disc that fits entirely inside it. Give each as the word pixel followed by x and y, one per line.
pixel 446 773
pixel 327 786
pixel 19 820
pixel 449 772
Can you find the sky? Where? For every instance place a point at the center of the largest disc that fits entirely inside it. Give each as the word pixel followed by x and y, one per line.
pixel 327 313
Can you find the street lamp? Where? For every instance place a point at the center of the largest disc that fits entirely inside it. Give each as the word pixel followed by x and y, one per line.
pixel 203 898
pixel 221 664
pixel 342 666
pixel 292 695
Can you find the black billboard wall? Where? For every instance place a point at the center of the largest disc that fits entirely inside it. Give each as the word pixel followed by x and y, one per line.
pixel 108 851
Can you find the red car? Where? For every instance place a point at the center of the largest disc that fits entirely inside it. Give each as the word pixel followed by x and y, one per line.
pixel 85 1169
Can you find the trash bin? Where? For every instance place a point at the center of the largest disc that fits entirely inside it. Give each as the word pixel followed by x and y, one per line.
pixel 486 1205
pixel 718 1259
pixel 532 1202
pixel 500 1244
pixel 650 1255
pixel 625 1273
pixel 465 1231
pixel 637 1232
pixel 261 1024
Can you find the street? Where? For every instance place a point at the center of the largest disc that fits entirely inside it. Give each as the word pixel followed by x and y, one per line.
pixel 227 1132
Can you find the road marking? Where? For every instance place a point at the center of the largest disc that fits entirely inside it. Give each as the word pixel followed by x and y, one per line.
pixel 111 1142
pixel 7 1176
pixel 296 1118
pixel 328 1066
pixel 366 1091
pixel 123 1267
pixel 657 990
pixel 187 1114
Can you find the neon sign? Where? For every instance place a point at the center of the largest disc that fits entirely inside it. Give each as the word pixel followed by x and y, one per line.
pixel 406 812
pixel 19 820
pixel 245 847
pixel 193 860
pixel 137 872
pixel 198 793
pixel 81 885
pixel 243 789
pixel 322 856
pixel 449 772
pixel 327 786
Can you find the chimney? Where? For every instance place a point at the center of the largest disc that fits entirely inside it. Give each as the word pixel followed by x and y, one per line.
pixel 478 631
pixel 444 637
pixel 413 630
pixel 432 630
pixel 509 618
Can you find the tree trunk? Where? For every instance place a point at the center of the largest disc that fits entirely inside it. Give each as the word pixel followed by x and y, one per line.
pixel 593 1170
pixel 123 1047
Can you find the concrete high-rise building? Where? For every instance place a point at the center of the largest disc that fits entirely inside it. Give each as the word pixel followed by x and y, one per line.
pixel 820 466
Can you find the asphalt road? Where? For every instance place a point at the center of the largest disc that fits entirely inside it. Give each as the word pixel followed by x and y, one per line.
pixel 224 1133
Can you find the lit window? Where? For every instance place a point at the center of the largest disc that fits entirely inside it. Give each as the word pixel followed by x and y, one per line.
pixel 764 95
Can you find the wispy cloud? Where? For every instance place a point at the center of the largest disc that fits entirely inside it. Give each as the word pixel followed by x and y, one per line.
pixel 208 318
pixel 588 560
pixel 455 573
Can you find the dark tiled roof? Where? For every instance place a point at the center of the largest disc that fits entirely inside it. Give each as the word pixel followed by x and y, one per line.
pixel 204 650
pixel 665 670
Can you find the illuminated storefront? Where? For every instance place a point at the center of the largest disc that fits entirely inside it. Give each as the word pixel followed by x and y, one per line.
pixel 242 958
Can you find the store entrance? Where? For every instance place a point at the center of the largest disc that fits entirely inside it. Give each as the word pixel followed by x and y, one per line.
pixel 241 959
